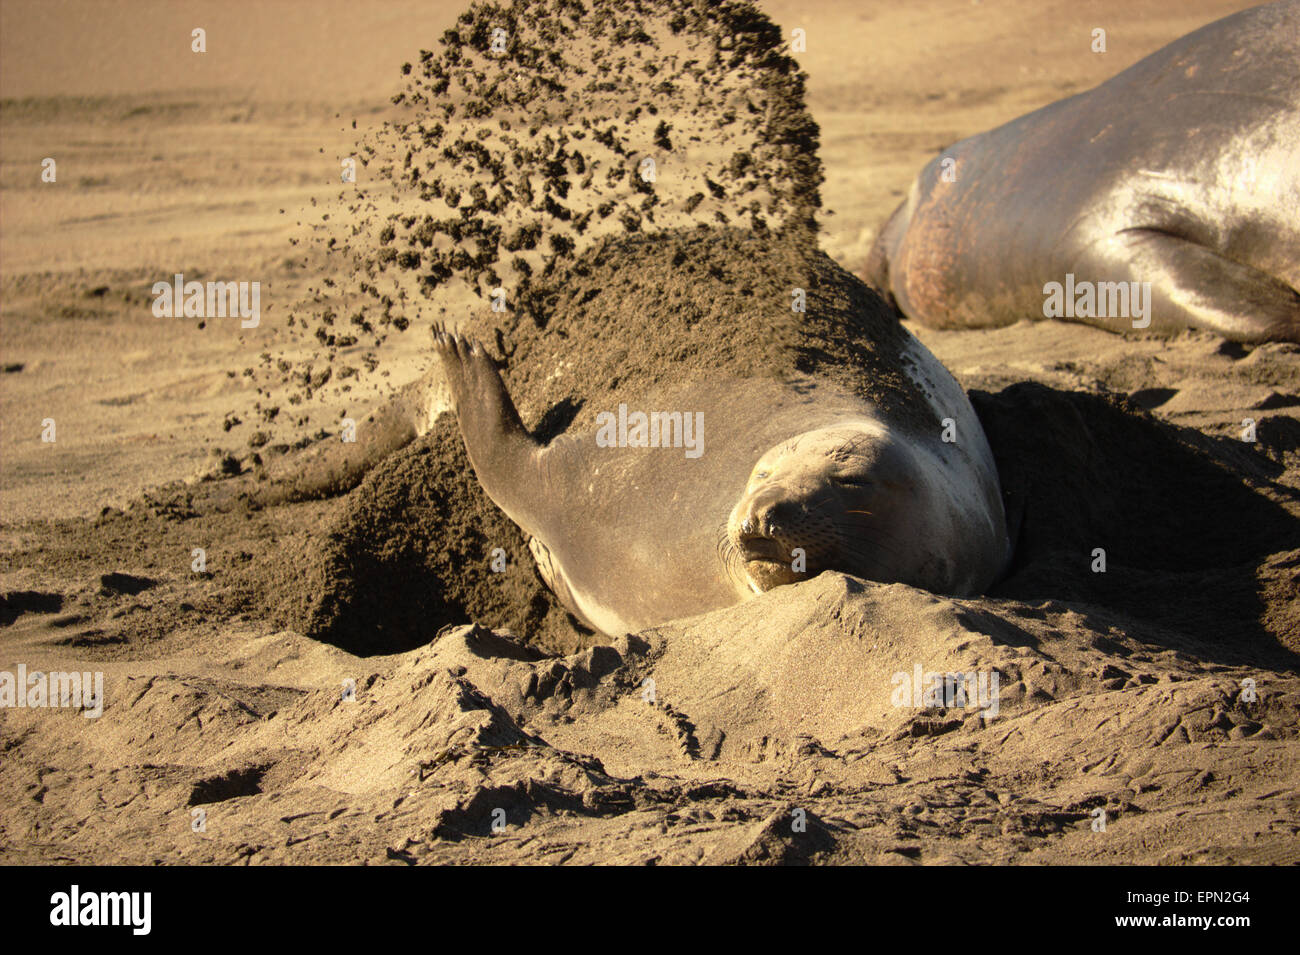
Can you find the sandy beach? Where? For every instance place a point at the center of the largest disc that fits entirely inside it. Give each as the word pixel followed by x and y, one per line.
pixel 342 680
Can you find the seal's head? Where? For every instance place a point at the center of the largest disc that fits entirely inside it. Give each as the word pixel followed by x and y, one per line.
pixel 827 499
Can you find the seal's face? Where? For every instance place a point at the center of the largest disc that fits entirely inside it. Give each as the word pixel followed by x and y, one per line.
pixel 825 500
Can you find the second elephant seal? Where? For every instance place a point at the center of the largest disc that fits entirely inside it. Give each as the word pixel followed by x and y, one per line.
pixel 1166 197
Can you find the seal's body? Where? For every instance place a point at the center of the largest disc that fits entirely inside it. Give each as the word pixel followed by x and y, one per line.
pixel 778 481
pixel 1183 172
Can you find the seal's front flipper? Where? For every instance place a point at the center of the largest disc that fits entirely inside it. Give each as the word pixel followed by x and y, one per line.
pixel 1192 285
pixel 505 457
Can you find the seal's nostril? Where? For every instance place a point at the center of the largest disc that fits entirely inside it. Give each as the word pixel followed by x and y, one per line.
pixel 747 526
pixel 765 518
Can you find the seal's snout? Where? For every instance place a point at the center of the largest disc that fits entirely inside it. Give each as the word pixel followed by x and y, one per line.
pixel 760 532
pixel 763 516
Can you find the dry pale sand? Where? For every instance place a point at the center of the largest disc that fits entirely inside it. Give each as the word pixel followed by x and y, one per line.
pixel 772 733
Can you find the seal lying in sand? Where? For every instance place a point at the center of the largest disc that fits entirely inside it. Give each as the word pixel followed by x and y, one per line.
pixel 745 485
pixel 714 412
pixel 1180 172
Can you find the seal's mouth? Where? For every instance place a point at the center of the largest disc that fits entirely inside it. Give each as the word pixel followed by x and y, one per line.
pixel 754 548
pixel 767 562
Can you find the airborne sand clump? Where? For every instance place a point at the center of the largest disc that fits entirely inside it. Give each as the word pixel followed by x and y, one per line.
pixel 534 132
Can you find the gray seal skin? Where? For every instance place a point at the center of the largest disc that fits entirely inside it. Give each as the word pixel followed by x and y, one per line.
pixel 631 537
pixel 1182 171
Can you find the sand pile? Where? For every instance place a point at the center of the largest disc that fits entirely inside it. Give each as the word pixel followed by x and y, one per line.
pixel 770 732
pixel 412 550
pixel 821 662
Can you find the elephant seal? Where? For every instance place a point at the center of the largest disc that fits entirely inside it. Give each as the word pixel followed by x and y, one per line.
pixel 1172 187
pixel 744 485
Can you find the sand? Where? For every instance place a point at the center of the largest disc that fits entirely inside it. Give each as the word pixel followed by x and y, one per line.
pixel 348 681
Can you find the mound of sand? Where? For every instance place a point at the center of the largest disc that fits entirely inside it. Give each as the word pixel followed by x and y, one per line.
pixel 768 732
pixel 413 550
